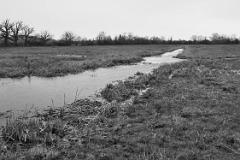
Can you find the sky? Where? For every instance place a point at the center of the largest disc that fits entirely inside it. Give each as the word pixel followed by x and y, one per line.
pixel 179 19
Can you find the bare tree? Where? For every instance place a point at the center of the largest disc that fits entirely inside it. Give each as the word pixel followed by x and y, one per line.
pixel 101 36
pixel 194 38
pixel 27 31
pixel 5 28
pixel 198 38
pixel 45 36
pixel 68 37
pixel 16 29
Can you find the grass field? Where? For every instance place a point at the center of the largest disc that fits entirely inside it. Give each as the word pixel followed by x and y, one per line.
pixel 212 51
pixel 59 61
pixel 185 111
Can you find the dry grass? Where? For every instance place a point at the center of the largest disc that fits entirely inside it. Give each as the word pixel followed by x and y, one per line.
pixel 59 61
pixel 189 112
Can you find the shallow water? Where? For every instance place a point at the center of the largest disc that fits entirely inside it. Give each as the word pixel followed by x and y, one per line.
pixel 19 94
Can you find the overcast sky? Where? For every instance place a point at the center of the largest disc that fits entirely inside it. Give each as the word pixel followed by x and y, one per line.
pixel 176 18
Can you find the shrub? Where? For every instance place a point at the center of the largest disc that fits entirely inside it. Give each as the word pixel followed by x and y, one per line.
pixel 119 92
pixel 33 131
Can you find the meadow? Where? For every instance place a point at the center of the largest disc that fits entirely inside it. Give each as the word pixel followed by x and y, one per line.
pixel 17 62
pixel 184 111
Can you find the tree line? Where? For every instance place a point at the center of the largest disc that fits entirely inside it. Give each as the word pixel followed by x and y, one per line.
pixel 20 34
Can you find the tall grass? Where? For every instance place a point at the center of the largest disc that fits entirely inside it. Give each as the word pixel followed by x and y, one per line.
pixel 33 131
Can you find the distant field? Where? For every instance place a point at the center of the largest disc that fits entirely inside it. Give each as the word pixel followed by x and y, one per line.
pixel 211 51
pixel 221 56
pixel 59 61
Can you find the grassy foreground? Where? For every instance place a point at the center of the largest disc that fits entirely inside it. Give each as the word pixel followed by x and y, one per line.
pixel 59 61
pixel 184 111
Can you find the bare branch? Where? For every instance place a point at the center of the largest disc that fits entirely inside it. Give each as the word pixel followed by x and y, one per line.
pixel 5 28
pixel 17 27
pixel 27 31
pixel 68 37
pixel 45 36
